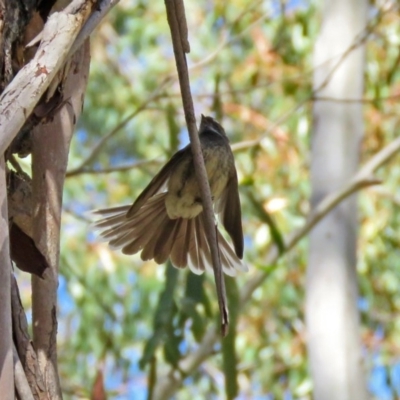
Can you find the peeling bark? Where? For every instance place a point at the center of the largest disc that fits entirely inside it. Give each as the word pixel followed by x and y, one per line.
pixel 24 92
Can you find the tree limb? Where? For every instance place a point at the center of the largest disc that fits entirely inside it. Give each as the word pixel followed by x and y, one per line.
pixel 100 144
pixel 25 90
pixel 174 8
pixel 118 168
pixel 49 162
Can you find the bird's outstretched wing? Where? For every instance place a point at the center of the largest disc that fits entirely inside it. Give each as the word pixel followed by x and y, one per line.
pixel 158 183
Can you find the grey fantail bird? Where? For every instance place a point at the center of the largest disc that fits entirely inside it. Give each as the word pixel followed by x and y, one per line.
pixel 167 219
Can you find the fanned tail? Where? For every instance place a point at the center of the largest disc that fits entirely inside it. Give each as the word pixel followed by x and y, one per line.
pixel 158 237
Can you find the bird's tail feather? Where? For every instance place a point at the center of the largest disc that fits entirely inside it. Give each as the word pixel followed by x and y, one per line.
pixel 151 231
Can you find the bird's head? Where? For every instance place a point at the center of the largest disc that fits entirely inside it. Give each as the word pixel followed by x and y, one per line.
pixel 209 123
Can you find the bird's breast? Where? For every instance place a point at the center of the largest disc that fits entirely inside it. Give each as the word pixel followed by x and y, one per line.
pixel 184 199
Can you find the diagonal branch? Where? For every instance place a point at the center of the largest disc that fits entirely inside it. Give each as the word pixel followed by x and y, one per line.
pixel 117 168
pixel 99 146
pixel 25 90
pixel 177 21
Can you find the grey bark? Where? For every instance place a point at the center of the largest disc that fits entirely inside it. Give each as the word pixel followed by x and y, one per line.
pixel 331 289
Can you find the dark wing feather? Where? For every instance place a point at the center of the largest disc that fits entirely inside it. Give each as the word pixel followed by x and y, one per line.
pixel 157 183
pixel 231 214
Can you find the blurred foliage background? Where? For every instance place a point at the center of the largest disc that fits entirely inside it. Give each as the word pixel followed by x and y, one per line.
pixel 120 318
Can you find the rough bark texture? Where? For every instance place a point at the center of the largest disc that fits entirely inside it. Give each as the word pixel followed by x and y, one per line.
pixel 24 92
pixel 21 383
pixel 41 86
pixel 14 17
pixel 49 162
pixel 23 345
pixel 331 303
pixel 6 349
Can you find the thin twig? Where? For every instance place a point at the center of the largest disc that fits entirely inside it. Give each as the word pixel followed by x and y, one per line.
pixel 365 100
pixel 127 167
pixel 228 38
pixel 236 147
pixel 81 169
pixel 99 146
pixel 252 143
pixel 358 41
pixel 201 174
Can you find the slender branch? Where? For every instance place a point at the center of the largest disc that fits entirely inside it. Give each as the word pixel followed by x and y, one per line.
pixel 240 146
pixel 357 42
pixel 137 164
pixel 86 30
pixel 365 100
pixel 82 168
pixel 252 143
pixel 168 385
pixel 107 4
pixel 364 178
pixel 228 38
pixel 99 146
pixel 73 272
pixel 201 174
pixel 236 147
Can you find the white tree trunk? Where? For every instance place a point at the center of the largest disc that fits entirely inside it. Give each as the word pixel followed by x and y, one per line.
pixel 331 302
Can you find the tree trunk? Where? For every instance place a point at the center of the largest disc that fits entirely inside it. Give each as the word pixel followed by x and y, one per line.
pixel 331 303
pixel 49 162
pixel 6 352
pixel 39 98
